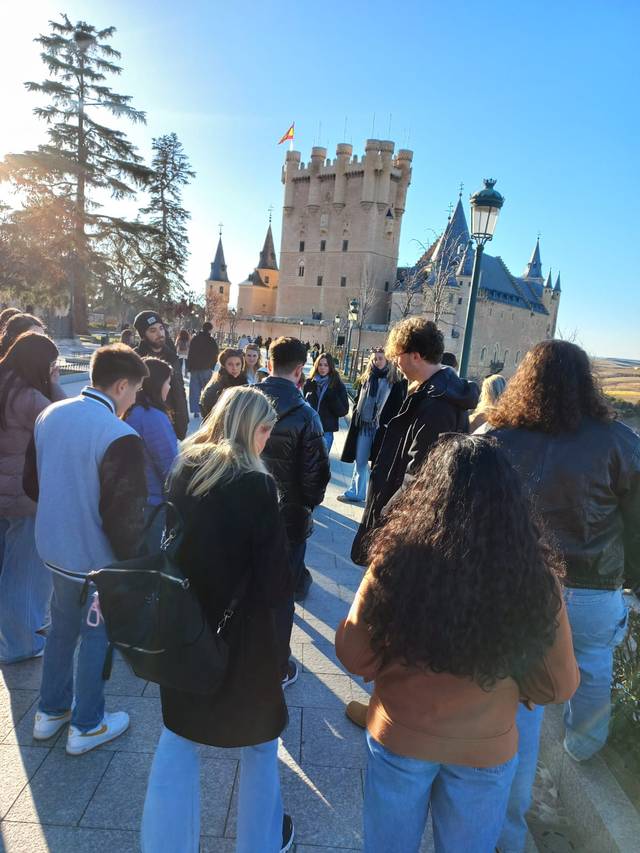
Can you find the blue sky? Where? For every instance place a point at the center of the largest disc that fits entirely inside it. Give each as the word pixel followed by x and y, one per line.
pixel 539 95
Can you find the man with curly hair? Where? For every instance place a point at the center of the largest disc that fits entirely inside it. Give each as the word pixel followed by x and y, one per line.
pixel 438 401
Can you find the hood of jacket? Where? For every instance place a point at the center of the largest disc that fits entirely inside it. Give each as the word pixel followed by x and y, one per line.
pixel 447 385
pixel 284 395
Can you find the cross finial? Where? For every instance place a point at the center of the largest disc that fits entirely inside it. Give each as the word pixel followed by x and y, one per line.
pixel 461 188
pixel 270 209
pixel 539 234
pixel 220 226
pixel 450 209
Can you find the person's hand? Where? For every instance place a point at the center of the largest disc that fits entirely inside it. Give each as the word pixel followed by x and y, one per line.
pixel 55 373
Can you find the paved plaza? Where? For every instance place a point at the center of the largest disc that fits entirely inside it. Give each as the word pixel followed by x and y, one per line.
pixel 93 804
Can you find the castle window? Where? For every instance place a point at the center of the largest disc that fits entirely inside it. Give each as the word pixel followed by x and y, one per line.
pixel 517 358
pixel 266 279
pixel 459 300
pixel 505 356
pixel 323 245
pixel 450 298
pixel 300 270
pixel 319 281
pixel 302 245
pixel 345 245
pixel 483 354
pixel 343 281
pixel 386 287
pixel 221 288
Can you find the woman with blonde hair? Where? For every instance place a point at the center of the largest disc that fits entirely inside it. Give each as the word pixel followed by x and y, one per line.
pixel 492 388
pixel 217 474
pixel 254 369
pixel 381 392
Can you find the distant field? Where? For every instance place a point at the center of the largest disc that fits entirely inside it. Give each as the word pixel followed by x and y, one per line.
pixel 619 378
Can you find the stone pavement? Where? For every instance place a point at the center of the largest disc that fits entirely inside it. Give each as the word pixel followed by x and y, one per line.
pixel 93 804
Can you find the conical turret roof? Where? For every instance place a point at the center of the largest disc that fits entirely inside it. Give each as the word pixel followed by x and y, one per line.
pixel 557 287
pixel 534 267
pixel 218 265
pixel 268 259
pixel 548 283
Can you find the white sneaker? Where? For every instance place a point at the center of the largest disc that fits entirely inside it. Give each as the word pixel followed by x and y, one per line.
pixel 111 727
pixel 48 725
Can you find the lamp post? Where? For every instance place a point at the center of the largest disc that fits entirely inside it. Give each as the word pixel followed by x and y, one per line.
pixel 336 332
pixel 354 308
pixel 301 328
pixel 253 328
pixel 485 207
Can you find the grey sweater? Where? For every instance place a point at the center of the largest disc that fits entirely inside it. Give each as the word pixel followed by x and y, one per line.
pixel 85 469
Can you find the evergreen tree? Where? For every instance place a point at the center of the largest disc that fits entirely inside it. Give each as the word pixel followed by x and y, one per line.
pixel 171 172
pixel 83 156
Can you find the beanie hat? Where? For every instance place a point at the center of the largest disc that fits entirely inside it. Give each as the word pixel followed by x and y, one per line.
pixel 144 320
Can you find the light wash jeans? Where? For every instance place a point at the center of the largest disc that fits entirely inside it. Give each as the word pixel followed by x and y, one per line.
pixel 328 440
pixel 68 625
pixel 598 621
pixel 468 804
pixel 25 592
pixel 171 817
pixel 357 491
pixel 197 380
pixel 513 837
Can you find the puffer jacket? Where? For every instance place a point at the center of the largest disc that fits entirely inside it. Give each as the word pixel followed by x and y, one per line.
pixel 333 406
pixel 296 455
pixel 24 406
pixel 441 404
pixel 215 386
pixel 586 487
pixel 176 401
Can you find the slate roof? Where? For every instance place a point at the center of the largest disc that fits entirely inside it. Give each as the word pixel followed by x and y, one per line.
pixel 218 265
pixel 499 285
pixel 268 259
pixel 534 267
pixel 557 287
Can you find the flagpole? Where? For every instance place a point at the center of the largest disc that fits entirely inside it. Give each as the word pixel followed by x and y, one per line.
pixel 293 125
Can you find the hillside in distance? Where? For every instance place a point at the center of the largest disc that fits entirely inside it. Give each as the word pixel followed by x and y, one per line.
pixel 620 378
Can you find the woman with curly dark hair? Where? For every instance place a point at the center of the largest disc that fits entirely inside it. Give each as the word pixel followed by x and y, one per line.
pixel 230 374
pixel 582 469
pixel 459 617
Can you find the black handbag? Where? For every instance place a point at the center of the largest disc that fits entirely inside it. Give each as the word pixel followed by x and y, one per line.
pixel 156 621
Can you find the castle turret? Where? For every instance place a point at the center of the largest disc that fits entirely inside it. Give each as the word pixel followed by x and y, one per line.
pixel 534 267
pixel 557 288
pixel 217 286
pixel 343 156
pixel 372 164
pixel 267 260
pixel 218 265
pixel 548 283
pixel 289 170
pixel 403 164
pixel 318 156
pixel 383 190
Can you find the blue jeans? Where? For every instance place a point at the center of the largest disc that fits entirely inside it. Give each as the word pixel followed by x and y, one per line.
pixel 468 804
pixel 25 592
pixel 68 625
pixel 598 621
pixel 328 440
pixel 513 837
pixel 197 380
pixel 171 817
pixel 4 526
pixel 357 491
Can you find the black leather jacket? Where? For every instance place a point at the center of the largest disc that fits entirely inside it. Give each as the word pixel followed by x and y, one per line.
pixel 586 486
pixel 296 455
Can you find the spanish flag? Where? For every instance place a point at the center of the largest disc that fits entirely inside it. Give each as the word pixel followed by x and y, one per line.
pixel 288 134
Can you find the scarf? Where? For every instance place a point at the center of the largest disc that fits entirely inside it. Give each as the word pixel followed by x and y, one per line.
pixel 322 383
pixel 373 397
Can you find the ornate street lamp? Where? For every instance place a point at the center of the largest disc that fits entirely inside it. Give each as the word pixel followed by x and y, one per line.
pixel 354 310
pixel 485 208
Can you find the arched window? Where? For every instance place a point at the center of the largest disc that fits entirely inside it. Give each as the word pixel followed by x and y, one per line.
pixel 483 354
pixel 300 270
pixel 505 356
pixel 517 358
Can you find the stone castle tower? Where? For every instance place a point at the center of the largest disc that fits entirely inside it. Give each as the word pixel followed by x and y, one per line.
pixel 341 230
pixel 217 285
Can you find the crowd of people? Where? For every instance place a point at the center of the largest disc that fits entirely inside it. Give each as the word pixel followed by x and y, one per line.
pixel 500 527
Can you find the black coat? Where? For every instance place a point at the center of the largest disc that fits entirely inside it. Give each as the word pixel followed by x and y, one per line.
pixel 439 405
pixel 333 406
pixel 176 401
pixel 215 386
pixel 586 487
pixel 235 529
pixel 203 352
pixel 296 455
pixel 390 409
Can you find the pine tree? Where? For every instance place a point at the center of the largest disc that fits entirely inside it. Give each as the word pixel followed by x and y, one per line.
pixel 171 172
pixel 83 156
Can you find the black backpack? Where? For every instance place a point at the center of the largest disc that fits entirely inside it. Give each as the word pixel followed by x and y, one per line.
pixel 156 622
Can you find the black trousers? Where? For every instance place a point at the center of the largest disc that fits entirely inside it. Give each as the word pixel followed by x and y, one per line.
pixel 284 613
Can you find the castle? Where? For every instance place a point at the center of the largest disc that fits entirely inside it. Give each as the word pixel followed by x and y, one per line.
pixel 340 240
